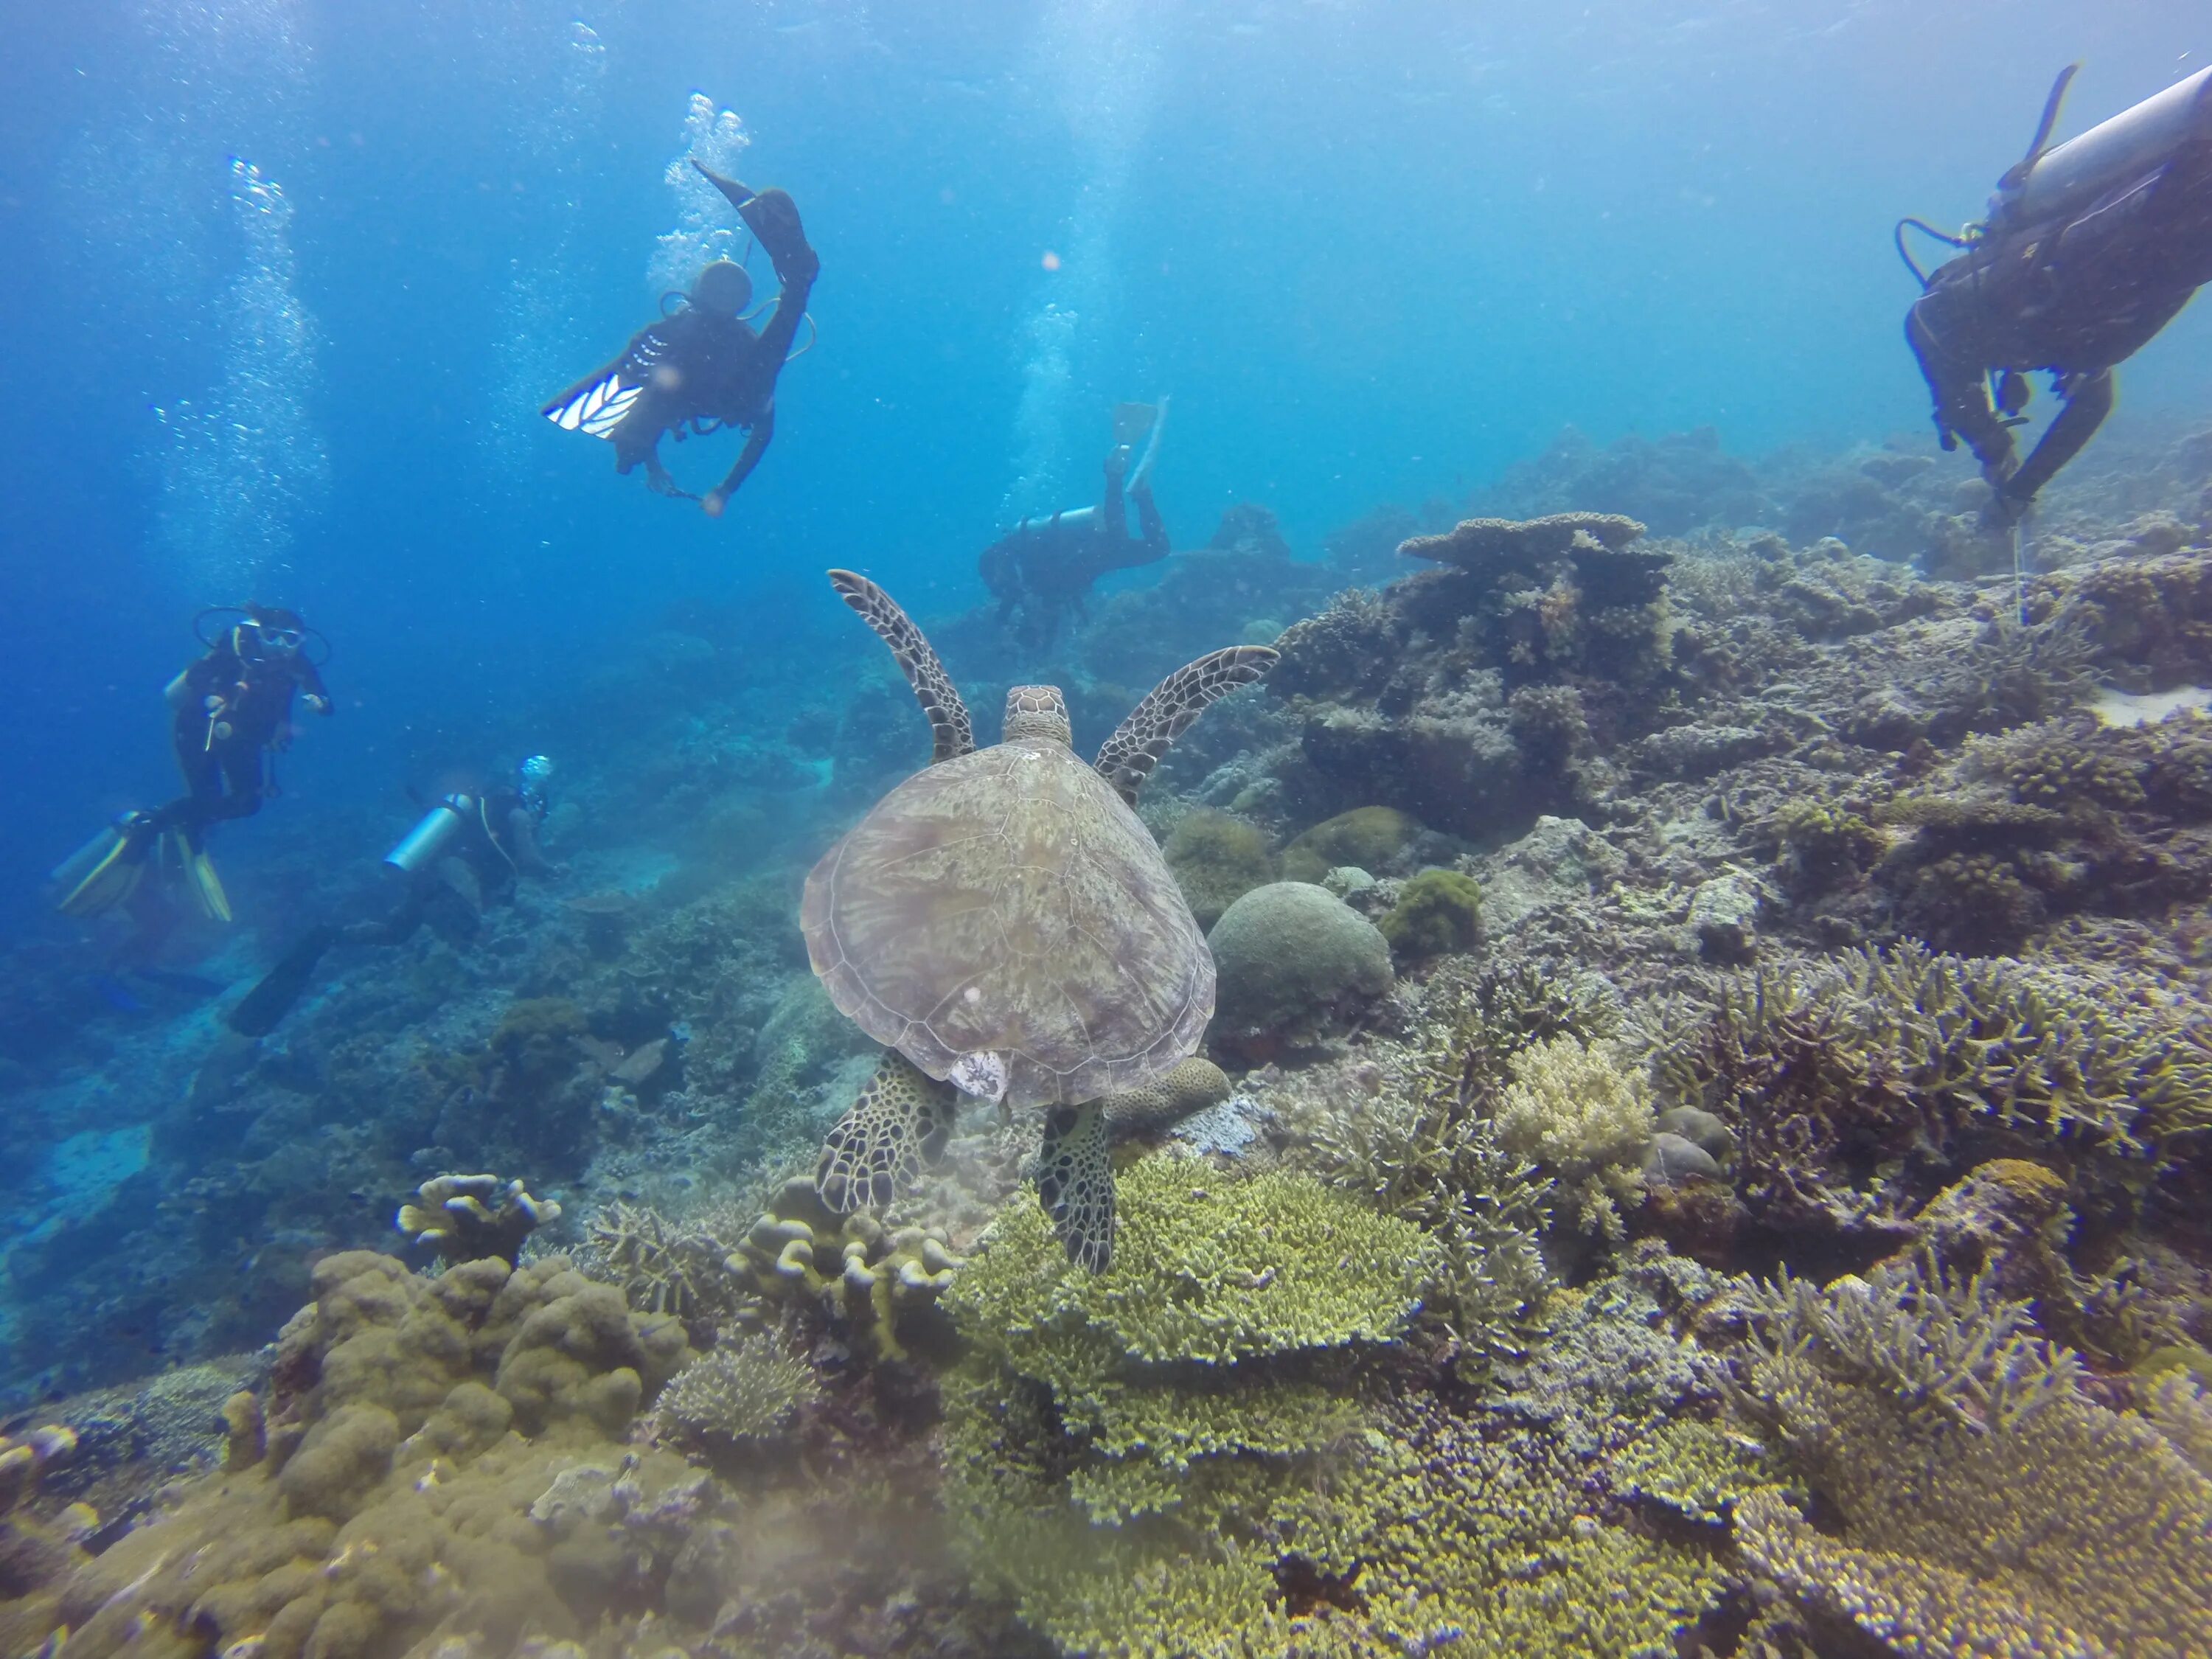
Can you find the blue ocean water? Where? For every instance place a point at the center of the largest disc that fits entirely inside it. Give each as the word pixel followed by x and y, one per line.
pixel 1374 252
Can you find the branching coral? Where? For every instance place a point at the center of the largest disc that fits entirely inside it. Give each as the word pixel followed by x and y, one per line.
pixel 449 1213
pixel 1986 1506
pixel 1573 1108
pixel 1425 1147
pixel 1844 1079
pixel 740 1390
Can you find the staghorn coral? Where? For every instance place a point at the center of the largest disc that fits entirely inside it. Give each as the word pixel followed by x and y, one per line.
pixel 740 1390
pixel 662 1266
pixel 1572 1108
pixel 1438 912
pixel 1983 1503
pixel 1857 1085
pixel 450 1214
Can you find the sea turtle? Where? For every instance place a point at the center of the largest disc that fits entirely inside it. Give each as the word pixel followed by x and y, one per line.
pixel 1004 921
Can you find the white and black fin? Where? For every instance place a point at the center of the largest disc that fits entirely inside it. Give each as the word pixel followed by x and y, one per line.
pixel 1075 1183
pixel 899 1121
pixel 595 406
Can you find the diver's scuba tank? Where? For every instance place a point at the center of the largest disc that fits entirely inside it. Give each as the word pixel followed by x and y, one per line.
pixel 1076 518
pixel 428 839
pixel 2066 178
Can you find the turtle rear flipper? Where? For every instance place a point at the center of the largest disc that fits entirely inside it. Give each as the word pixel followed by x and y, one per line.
pixel 899 1120
pixel 917 660
pixel 1075 1182
pixel 1128 757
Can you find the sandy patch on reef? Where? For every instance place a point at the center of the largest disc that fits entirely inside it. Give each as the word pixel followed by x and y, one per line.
pixel 2147 708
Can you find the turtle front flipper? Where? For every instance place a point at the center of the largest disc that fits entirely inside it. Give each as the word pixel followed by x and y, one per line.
pixel 917 660
pixel 1129 755
pixel 1075 1182
pixel 899 1120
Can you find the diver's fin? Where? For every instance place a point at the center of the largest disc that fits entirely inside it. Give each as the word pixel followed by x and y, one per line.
pixel 595 405
pixel 773 218
pixel 899 1120
pixel 1132 423
pixel 200 877
pixel 102 875
pixel 261 1008
pixel 1140 474
pixel 1126 758
pixel 1075 1183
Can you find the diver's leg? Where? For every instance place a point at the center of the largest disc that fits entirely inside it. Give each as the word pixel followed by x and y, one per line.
pixel 773 217
pixel 1113 509
pixel 245 782
pixel 1151 530
pixel 2088 400
pixel 1959 392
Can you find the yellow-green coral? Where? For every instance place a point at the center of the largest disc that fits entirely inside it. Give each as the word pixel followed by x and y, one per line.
pixel 1217 858
pixel 744 1388
pixel 1371 837
pixel 1438 911
pixel 1573 1108
pixel 1207 1268
pixel 865 1276
pixel 1985 1504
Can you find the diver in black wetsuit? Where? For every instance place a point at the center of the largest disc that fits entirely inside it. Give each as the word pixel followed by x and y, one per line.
pixel 230 712
pixel 2090 249
pixel 703 368
pixel 468 848
pixel 1044 569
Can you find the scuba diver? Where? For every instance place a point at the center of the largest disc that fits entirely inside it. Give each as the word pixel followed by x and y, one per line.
pixel 702 367
pixel 469 847
pixel 2090 248
pixel 230 712
pixel 1043 567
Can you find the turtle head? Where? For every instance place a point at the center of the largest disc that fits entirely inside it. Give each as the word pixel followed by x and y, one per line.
pixel 1037 711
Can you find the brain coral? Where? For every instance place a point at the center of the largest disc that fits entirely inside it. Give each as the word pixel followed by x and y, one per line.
pixel 1289 957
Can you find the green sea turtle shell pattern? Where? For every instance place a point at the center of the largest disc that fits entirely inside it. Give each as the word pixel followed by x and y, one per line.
pixel 1008 902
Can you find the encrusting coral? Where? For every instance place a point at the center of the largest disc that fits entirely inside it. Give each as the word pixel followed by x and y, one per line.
pixel 440 1466
pixel 450 1214
pixel 1982 1503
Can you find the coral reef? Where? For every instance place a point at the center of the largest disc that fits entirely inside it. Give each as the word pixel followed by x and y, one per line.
pixel 450 1216
pixel 1982 1502
pixel 1855 1089
pixel 1291 961
pixel 1572 1108
pixel 1217 858
pixel 1438 912
pixel 1375 838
